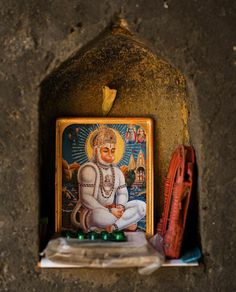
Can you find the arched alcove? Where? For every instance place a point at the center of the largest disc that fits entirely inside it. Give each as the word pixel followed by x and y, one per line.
pixel 146 85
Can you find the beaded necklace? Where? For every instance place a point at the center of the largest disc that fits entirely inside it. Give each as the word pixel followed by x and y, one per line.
pixel 106 193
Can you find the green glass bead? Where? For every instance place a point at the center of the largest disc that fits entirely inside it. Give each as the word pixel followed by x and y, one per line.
pixel 105 235
pixel 119 236
pixel 70 234
pixel 81 235
pixel 92 235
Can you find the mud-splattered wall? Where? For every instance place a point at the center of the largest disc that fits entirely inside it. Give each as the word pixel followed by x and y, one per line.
pixel 198 39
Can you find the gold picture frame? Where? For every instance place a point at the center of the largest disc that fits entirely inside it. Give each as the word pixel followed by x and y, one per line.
pixel 81 140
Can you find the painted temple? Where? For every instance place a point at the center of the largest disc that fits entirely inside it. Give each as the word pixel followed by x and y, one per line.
pixel 138 167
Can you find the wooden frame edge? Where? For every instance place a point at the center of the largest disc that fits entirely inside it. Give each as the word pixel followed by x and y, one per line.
pixel 62 123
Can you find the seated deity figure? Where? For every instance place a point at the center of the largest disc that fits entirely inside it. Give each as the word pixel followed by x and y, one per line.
pixel 103 193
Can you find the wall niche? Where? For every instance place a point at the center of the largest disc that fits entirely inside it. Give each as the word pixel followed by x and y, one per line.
pixel 146 85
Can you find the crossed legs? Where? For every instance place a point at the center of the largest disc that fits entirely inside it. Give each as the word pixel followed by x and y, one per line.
pixel 102 218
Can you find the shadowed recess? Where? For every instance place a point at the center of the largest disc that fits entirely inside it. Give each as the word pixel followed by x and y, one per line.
pixel 146 87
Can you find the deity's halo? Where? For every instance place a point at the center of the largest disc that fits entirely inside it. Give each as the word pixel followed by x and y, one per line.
pixel 120 145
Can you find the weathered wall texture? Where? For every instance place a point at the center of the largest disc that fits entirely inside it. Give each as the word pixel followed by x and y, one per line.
pixel 196 37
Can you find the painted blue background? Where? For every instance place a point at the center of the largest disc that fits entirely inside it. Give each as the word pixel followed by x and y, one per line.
pixel 73 150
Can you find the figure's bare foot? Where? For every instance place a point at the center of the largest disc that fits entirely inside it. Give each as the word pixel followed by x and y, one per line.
pixel 132 227
pixel 110 228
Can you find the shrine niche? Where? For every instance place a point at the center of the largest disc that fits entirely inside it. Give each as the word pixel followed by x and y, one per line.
pixel 146 86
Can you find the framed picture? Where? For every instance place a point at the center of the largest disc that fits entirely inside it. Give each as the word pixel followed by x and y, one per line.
pixel 104 174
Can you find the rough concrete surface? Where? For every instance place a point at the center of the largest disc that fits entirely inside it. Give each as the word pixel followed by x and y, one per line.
pixel 198 38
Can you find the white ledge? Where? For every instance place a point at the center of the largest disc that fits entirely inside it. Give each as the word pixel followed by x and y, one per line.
pixel 46 263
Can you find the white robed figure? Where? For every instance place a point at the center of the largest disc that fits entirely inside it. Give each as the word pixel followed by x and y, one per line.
pixel 103 195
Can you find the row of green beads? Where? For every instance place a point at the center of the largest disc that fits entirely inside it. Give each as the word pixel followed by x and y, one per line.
pixel 92 235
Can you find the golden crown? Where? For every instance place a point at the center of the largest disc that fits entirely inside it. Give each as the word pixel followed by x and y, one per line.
pixel 103 135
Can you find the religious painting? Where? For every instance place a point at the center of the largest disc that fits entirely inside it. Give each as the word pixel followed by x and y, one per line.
pixel 104 174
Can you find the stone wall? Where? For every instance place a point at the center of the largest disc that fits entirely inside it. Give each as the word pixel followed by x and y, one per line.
pixel 196 37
